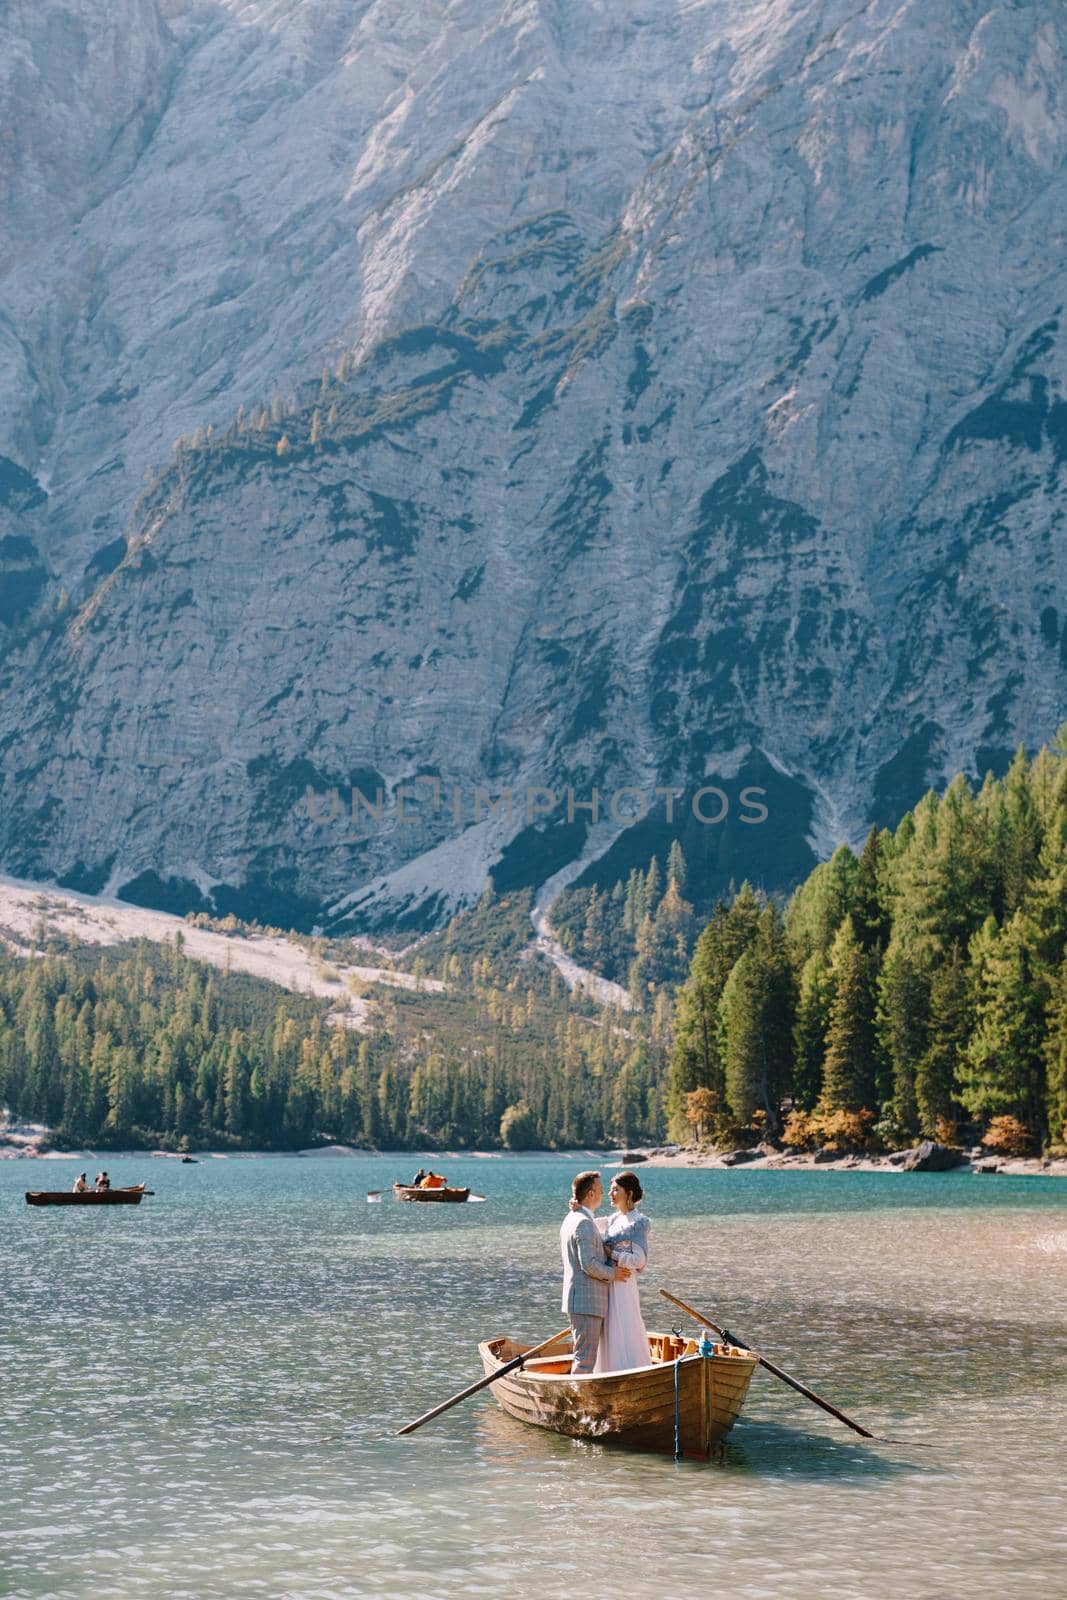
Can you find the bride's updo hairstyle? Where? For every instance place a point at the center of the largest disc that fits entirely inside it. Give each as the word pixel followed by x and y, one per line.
pixel 631 1183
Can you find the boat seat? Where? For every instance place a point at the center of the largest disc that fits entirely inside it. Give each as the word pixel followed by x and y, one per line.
pixel 670 1349
pixel 554 1366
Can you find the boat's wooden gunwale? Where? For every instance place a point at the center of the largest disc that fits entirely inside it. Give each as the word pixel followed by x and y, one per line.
pixel 640 1377
pixel 736 1365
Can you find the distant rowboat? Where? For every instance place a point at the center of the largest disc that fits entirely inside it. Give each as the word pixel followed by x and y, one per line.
pixel 408 1191
pixel 130 1196
pixel 638 1407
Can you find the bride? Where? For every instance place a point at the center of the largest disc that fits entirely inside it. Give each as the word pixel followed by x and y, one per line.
pixel 624 1342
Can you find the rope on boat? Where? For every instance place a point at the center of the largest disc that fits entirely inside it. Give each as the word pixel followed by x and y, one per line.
pixel 706 1349
pixel 677 1427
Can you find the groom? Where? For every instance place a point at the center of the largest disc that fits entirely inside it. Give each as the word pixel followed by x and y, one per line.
pixel 587 1271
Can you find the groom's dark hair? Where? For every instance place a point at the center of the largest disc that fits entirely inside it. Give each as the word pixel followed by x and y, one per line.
pixel 582 1185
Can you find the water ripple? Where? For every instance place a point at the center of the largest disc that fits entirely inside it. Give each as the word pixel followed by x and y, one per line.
pixel 200 1396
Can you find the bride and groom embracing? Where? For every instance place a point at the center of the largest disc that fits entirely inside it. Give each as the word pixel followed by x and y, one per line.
pixel 601 1257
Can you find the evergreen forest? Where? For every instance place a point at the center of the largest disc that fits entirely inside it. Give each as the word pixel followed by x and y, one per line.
pixel 915 989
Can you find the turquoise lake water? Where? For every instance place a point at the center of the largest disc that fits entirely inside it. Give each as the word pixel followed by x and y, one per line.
pixel 200 1393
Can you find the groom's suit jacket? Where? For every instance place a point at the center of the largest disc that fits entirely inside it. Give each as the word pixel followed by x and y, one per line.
pixel 587 1269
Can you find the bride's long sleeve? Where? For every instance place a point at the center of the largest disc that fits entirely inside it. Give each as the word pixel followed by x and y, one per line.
pixel 634 1242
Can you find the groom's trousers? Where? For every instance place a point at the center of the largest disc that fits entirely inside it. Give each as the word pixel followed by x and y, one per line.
pixel 587 1331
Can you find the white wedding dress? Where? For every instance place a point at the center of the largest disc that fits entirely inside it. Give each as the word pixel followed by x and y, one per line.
pixel 624 1341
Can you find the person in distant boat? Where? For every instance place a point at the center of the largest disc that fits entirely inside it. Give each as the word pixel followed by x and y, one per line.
pixel 81 1183
pixel 588 1271
pixel 102 1182
pixel 432 1180
pixel 417 1179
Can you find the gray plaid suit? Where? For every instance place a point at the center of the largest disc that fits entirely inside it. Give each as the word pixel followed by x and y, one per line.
pixel 587 1275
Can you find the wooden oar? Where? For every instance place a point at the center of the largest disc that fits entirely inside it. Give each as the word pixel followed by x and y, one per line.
pixel 794 1383
pixel 483 1383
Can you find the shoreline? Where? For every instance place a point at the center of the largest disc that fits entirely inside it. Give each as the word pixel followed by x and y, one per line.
pixel 32 1141
pixel 979 1162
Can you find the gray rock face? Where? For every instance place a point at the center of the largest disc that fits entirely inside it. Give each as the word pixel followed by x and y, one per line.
pixel 637 396
pixel 737 1158
pixel 932 1157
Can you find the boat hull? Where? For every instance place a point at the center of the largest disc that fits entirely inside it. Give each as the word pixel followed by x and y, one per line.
pixel 91 1197
pixel 634 1408
pixel 404 1191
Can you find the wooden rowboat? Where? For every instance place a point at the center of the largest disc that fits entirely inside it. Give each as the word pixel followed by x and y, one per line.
pixel 130 1196
pixel 636 1407
pixel 407 1191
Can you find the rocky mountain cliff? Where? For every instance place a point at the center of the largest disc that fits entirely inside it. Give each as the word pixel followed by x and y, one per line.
pixel 569 395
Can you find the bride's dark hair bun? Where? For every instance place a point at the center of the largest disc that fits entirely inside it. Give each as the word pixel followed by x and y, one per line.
pixel 631 1183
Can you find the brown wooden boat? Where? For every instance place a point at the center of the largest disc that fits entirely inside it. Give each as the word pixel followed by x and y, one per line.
pixel 636 1407
pixel 130 1196
pixel 408 1191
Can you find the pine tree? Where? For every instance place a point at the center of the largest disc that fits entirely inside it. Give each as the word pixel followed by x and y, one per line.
pixel 849 1070
pixel 662 941
pixel 617 942
pixel 120 1091
pixel 653 887
pixel 235 1079
pixel 368 1098
pixel 676 869
pixel 937 1071
pixel 99 1079
pixel 903 1027
pixel 869 912
pixel 627 1099
pixel 594 933
pixel 75 1117
pixel 1056 1059
pixel 218 1110
pixel 696 1062
pixel 1047 900
pixel 814 998
pixel 820 905
pixel 1003 1067
pixel 946 895
pixel 755 1026
pixel 630 916
pixel 1023 835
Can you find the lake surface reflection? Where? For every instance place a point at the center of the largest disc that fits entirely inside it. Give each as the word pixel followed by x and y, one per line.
pixel 200 1394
